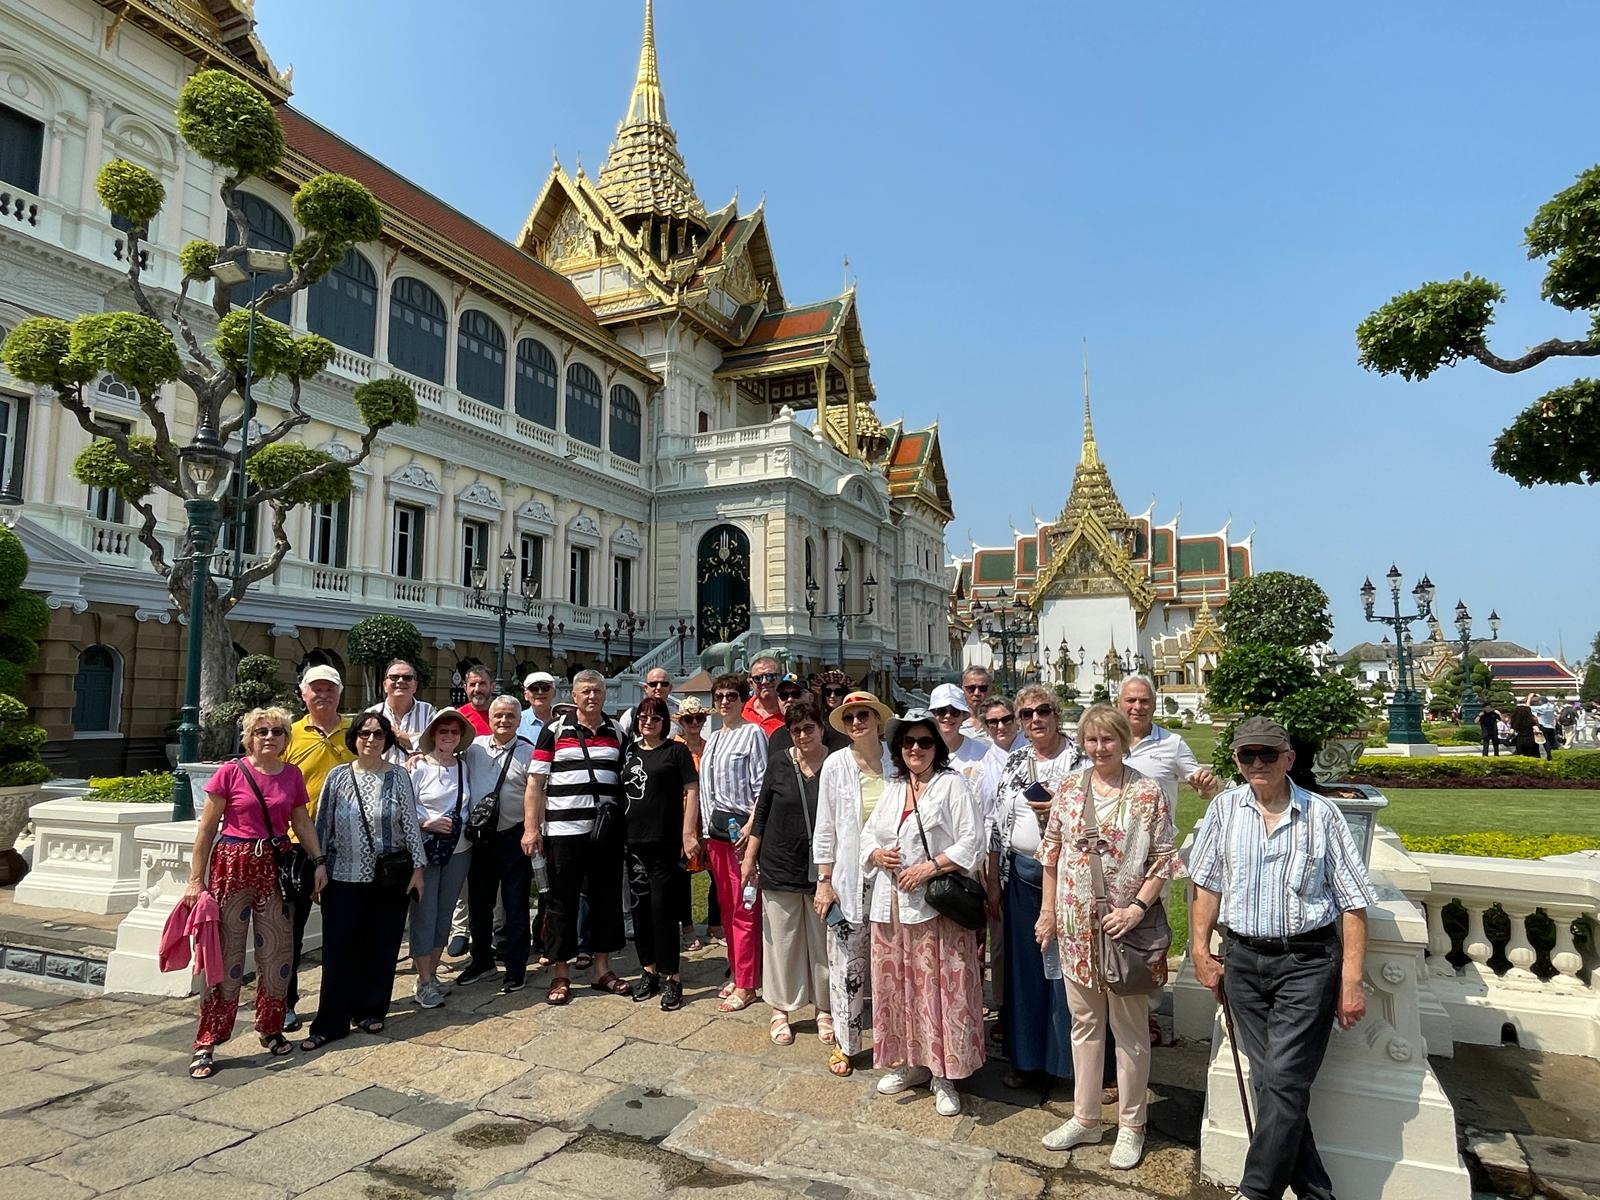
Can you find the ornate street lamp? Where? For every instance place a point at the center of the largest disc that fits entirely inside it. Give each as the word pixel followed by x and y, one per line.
pixel 605 635
pixel 680 631
pixel 630 625
pixel 1007 622
pixel 204 464
pixel 1405 706
pixel 840 617
pixel 528 592
pixel 550 627
pixel 10 503
pixel 1470 704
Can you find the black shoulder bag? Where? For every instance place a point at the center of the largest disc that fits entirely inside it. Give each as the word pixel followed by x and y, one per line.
pixel 392 869
pixel 609 829
pixel 294 881
pixel 438 848
pixel 484 819
pixel 805 807
pixel 953 894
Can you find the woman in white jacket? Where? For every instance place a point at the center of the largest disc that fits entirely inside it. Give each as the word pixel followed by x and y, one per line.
pixel 927 985
pixel 853 780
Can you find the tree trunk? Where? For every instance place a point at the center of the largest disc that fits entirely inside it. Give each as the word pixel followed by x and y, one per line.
pixel 217 665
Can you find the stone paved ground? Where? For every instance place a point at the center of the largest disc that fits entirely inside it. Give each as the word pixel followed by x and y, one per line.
pixel 505 1098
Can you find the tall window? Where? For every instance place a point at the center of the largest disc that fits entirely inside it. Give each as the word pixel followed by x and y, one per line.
pixel 268 231
pixel 578 575
pixel 536 383
pixel 475 550
pixel 409 525
pixel 21 149
pixel 583 404
pixel 532 561
pixel 13 438
pixel 481 359
pixel 105 504
pixel 622 584
pixel 330 534
pixel 416 329
pixel 625 432
pixel 343 305
pixel 95 700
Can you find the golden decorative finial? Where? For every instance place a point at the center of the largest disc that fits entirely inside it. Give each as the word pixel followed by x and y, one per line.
pixel 1090 454
pixel 648 105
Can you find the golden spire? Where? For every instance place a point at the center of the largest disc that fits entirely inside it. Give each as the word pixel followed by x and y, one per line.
pixel 1090 454
pixel 644 175
pixel 1091 484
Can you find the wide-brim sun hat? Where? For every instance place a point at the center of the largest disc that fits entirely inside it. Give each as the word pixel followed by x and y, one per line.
pixel 859 700
pixel 446 716
pixel 692 706
pixel 912 716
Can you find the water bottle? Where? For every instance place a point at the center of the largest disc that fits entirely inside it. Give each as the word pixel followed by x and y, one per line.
pixel 541 872
pixel 733 829
pixel 748 897
pixel 1052 960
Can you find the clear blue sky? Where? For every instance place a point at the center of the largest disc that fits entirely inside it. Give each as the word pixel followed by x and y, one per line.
pixel 1212 194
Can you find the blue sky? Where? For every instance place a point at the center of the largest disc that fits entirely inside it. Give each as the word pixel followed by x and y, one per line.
pixel 1213 195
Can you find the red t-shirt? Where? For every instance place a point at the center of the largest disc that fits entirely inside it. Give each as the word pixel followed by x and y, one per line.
pixel 283 792
pixel 478 720
pixel 756 716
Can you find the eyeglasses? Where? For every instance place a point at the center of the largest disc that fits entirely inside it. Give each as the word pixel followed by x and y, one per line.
pixel 947 713
pixel 858 714
pixel 373 733
pixel 538 687
pixel 692 719
pixel 809 730
pixel 765 677
pixel 666 683
pixel 725 697
pixel 273 732
pixel 650 719
pixel 1249 755
pixel 835 691
pixel 789 695
pixel 994 722
pixel 1028 714
pixel 401 678
pixel 974 688
pixel 452 729
pixel 920 742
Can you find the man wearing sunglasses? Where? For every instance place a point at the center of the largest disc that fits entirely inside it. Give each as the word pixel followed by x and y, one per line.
pixel 407 715
pixel 539 690
pixel 657 683
pixel 790 689
pixel 1277 866
pixel 763 707
pixel 977 684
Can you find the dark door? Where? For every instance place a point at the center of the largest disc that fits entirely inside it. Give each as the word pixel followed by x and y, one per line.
pixel 722 579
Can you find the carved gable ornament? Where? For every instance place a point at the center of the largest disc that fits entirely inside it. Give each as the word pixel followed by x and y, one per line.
pixel 571 241
pixel 414 474
pixel 337 450
pixel 480 494
pixel 1091 562
pixel 739 279
pixel 626 537
pixel 584 525
pixel 538 512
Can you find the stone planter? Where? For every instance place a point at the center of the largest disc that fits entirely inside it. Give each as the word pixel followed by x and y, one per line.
pixel 1338 756
pixel 200 774
pixel 85 856
pixel 14 805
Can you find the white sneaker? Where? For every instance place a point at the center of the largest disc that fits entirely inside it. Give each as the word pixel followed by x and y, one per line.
pixel 901 1078
pixel 427 995
pixel 1073 1133
pixel 1125 1155
pixel 946 1100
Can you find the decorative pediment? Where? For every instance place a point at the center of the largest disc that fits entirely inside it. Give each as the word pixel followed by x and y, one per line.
pixel 538 512
pixel 481 495
pixel 1091 561
pixel 415 475
pixel 626 537
pixel 571 243
pixel 584 526
pixel 337 450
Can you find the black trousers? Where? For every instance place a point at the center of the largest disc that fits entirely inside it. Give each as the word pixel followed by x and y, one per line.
pixel 655 881
pixel 500 869
pixel 1283 1007
pixel 299 914
pixel 362 924
pixel 579 865
pixel 1491 740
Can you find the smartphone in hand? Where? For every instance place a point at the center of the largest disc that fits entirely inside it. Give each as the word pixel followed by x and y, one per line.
pixel 835 914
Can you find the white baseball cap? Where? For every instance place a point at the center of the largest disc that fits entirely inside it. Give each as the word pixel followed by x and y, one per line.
pixel 948 695
pixel 534 677
pixel 322 674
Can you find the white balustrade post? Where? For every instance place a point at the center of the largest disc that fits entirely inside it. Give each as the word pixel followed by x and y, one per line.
pixel 1519 950
pixel 1477 946
pixel 1564 956
pixel 1439 964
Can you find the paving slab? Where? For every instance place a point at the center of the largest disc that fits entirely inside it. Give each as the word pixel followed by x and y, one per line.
pixel 272 1099
pixel 22 1139
pixel 429 1115
pixel 647 1064
pixel 22 1181
pixel 26 1090
pixel 736 1136
pixel 568 1049
pixel 189 1183
pixel 470 1155
pixel 1014 1132
pixel 126 1102
pixel 397 1065
pixel 1563 1167
pixel 889 1159
pixel 913 1112
pixel 596 1165
pixel 119 1062
pixel 814 1093
pixel 725 1079
pixel 139 1152
pixel 1012 1181
pixel 27 1056
pixel 114 1031
pixel 554 1097
pixel 649 1024
pixel 312 1149
pixel 487 1035
pixel 362 1185
pixel 639 1113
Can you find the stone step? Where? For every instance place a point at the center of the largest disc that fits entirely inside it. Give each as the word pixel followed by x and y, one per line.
pixel 55 944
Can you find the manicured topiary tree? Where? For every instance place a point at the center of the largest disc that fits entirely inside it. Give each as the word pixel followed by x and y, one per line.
pixel 256 686
pixel 377 640
pixel 226 120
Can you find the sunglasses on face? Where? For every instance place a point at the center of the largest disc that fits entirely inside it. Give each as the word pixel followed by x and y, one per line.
pixel 918 742
pixel 1028 714
pixel 274 732
pixel 371 733
pixel 725 697
pixel 995 722
pixel 974 688
pixel 805 731
pixel 860 714
pixel 765 677
pixel 401 678
pixel 651 719
pixel 660 683
pixel 693 719
pixel 835 691
pixel 948 714
pixel 784 695
pixel 537 687
pixel 1249 756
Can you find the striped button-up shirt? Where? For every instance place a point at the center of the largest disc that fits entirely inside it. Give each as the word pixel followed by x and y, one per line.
pixel 1297 878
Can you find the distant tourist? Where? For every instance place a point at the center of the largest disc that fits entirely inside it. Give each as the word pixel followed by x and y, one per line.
pixel 1293 946
pixel 692 717
pixel 1157 752
pixel 976 684
pixel 762 707
pixel 968 752
pixel 1524 731
pixel 1489 730
pixel 1544 712
pixel 657 683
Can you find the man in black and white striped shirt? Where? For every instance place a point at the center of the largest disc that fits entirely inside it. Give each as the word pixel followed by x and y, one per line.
pixel 576 769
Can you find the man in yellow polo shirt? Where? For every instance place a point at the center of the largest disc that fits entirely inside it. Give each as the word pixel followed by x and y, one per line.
pixel 316 746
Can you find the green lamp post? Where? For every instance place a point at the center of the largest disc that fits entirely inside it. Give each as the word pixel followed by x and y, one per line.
pixel 1471 706
pixel 1405 706
pixel 204 465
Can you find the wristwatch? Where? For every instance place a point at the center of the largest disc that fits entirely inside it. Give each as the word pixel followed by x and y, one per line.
pixel 1143 907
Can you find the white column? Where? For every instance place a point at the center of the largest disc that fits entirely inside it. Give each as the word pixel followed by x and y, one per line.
pixel 444 551
pixel 52 161
pixel 94 149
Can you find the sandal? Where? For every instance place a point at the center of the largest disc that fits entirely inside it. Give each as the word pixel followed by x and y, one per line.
pixel 276 1045
pixel 839 1064
pixel 203 1064
pixel 735 1003
pixel 825 1033
pixel 778 1030
pixel 313 1041
pixel 612 983
pixel 727 990
pixel 559 991
pixel 584 961
pixel 370 1025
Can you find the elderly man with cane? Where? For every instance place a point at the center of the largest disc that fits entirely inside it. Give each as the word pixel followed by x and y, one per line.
pixel 1278 866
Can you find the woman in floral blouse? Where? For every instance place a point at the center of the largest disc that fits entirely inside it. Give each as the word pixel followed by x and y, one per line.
pixel 1135 845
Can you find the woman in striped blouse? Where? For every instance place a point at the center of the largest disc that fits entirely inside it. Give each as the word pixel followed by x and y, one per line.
pixel 732 767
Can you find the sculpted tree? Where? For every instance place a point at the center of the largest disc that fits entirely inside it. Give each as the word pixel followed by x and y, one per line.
pixel 1556 439
pixel 1277 608
pixel 228 122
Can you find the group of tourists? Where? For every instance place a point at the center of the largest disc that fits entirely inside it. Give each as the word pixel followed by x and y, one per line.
pixel 1536 727
pixel 854 853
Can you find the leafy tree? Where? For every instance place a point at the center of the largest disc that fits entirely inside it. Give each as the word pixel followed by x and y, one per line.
pixel 1557 438
pixel 1447 688
pixel 227 121
pixel 1589 689
pixel 377 640
pixel 257 686
pixel 1277 608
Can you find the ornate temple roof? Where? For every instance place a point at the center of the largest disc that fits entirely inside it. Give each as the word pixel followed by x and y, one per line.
pixel 214 33
pixel 913 464
pixel 1091 483
pixel 644 175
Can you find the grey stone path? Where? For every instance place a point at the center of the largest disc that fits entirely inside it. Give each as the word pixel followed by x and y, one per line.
pixel 506 1097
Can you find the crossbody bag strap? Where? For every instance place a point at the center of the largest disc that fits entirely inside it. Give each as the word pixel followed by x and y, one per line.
pixel 1091 834
pixel 461 787
pixel 266 815
pixel 805 807
pixel 922 830
pixel 505 769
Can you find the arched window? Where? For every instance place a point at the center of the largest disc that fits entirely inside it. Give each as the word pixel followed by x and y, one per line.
pixel 343 305
pixel 481 358
pixel 583 404
pixel 268 231
pixel 416 329
pixel 625 431
pixel 97 702
pixel 536 383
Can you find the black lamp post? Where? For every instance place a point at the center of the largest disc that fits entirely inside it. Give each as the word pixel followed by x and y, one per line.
pixel 10 503
pixel 630 625
pixel 681 631
pixel 605 635
pixel 1405 706
pixel 1471 706
pixel 840 617
pixel 899 661
pixel 1008 623
pixel 204 464
pixel 550 627
pixel 528 591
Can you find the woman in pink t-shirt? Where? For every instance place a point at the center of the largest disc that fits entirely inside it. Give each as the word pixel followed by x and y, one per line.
pixel 250 804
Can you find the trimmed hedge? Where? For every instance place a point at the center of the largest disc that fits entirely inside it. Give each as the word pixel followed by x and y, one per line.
pixel 1569 769
pixel 151 787
pixel 1499 845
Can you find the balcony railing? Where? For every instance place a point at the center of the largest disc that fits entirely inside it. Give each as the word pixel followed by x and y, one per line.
pixel 19 208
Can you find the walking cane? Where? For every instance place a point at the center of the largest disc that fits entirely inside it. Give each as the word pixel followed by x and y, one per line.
pixel 1238 1073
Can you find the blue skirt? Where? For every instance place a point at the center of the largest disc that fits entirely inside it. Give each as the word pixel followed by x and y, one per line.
pixel 1038 1028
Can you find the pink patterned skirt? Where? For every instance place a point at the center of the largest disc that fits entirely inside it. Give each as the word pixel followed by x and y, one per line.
pixel 927 997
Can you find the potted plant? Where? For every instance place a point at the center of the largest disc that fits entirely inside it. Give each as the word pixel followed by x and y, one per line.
pixel 1071 710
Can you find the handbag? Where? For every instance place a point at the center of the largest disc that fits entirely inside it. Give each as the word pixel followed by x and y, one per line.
pixel 295 881
pixel 438 848
pixel 954 894
pixel 392 869
pixel 484 818
pixel 1134 964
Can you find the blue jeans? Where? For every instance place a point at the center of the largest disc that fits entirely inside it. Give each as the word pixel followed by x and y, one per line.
pixel 430 918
